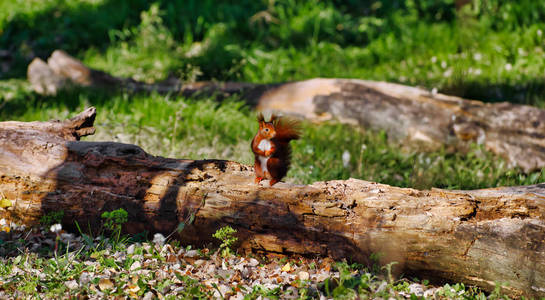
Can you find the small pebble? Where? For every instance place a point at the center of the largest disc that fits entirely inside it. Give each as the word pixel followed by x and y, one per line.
pixel 84 278
pixel 199 262
pixel 191 253
pixel 211 269
pixel 148 296
pixel 71 284
pixel 159 239
pixel 416 289
pixel 253 262
pixel 303 275
pixel 135 265
pixel 130 249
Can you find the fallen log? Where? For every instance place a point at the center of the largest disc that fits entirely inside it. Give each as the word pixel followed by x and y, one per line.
pixel 412 116
pixel 62 71
pixel 480 237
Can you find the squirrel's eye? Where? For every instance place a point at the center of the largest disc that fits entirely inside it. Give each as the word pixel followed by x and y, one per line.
pixel 266 129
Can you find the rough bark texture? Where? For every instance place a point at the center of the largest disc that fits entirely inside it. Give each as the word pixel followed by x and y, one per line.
pixel 477 237
pixel 413 116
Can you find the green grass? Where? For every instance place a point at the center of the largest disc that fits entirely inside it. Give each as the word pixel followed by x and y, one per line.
pixel 372 157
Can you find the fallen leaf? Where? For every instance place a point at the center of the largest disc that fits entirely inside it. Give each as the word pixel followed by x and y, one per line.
pixel 171 258
pixel 133 288
pixel 326 264
pixel 105 284
pixel 322 276
pixel 236 277
pixel 4 203
pixel 287 268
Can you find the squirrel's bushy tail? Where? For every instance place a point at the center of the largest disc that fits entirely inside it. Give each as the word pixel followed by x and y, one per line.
pixel 286 128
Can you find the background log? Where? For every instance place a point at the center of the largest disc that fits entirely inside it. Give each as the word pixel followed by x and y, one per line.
pixel 418 117
pixel 477 237
pixel 412 116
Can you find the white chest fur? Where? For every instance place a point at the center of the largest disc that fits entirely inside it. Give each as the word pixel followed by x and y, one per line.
pixel 263 161
pixel 264 145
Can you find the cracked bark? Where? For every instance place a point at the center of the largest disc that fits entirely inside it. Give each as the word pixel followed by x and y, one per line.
pixel 477 237
pixel 412 116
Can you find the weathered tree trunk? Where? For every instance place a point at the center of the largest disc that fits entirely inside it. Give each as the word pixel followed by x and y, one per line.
pixel 478 237
pixel 412 116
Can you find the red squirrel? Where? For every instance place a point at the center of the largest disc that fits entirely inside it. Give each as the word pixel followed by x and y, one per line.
pixel 271 147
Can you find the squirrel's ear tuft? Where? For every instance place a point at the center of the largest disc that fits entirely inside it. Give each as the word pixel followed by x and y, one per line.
pixel 265 116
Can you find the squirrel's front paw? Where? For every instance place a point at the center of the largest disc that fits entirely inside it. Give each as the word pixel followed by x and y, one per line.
pixel 269 153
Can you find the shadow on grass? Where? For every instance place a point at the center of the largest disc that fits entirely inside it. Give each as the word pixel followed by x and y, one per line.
pixel 530 93
pixel 71 99
pixel 78 27
pixel 65 27
pixel 75 28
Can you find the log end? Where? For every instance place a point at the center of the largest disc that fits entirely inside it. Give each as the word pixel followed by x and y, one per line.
pixel 43 79
pixel 82 124
pixel 69 67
